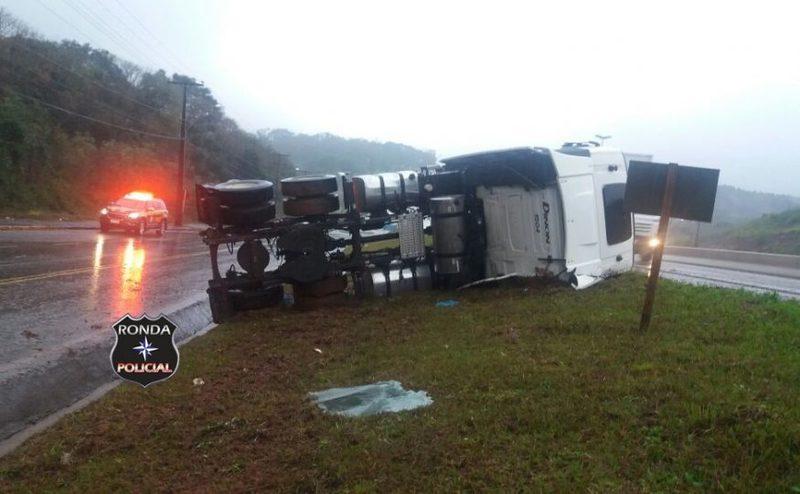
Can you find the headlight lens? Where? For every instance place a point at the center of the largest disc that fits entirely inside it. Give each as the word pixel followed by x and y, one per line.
pixel 104 211
pixel 133 216
pixel 653 242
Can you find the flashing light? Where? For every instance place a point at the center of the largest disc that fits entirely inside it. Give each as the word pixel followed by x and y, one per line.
pixel 139 195
pixel 104 211
pixel 653 242
pixel 133 216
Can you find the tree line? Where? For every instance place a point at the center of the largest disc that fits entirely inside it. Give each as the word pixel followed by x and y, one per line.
pixel 80 126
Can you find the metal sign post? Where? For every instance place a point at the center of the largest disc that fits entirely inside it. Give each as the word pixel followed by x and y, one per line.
pixel 687 192
pixel 663 225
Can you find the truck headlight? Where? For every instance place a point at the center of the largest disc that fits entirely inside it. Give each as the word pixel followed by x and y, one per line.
pixel 133 216
pixel 653 242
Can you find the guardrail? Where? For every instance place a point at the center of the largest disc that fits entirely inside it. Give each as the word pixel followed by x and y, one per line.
pixel 776 260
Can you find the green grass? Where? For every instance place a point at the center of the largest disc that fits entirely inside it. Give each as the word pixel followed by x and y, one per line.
pixel 535 388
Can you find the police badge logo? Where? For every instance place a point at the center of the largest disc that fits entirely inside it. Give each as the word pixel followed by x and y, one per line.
pixel 144 351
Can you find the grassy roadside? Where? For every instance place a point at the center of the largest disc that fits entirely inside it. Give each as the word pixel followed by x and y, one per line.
pixel 534 388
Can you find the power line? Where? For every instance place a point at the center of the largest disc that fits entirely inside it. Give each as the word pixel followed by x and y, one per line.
pixel 114 111
pixel 95 120
pixel 91 81
pixel 65 21
pixel 149 44
pixel 107 30
pixel 155 38
pixel 45 85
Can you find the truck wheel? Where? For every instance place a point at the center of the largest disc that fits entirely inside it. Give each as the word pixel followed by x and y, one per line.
pixel 141 228
pixel 321 288
pixel 310 206
pixel 244 193
pixel 334 301
pixel 308 186
pixel 250 217
pixel 256 299
pixel 162 227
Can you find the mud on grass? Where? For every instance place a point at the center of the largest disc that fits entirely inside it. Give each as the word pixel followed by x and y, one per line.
pixel 535 388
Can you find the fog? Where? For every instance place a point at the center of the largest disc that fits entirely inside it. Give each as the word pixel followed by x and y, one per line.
pixel 701 84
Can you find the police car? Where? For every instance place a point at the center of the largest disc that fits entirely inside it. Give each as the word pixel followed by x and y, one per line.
pixel 135 212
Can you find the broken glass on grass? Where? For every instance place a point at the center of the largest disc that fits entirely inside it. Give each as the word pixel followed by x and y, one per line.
pixel 360 401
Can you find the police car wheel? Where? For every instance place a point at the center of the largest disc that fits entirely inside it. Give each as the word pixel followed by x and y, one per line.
pixel 162 227
pixel 141 228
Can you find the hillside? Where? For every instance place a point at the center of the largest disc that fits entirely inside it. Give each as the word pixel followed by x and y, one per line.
pixel 734 205
pixel 80 126
pixel 776 233
pixel 329 153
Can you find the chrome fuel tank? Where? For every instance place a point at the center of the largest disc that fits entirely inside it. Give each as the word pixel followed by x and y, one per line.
pixel 398 281
pixel 386 191
pixel 448 222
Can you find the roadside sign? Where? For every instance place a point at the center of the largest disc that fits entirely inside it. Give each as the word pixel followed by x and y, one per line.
pixel 668 190
pixel 693 198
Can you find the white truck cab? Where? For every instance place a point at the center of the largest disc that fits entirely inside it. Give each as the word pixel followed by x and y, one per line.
pixel 552 213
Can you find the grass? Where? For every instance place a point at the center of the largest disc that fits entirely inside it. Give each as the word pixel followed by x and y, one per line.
pixel 535 388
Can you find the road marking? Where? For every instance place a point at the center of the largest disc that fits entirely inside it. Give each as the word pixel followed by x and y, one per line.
pixel 67 272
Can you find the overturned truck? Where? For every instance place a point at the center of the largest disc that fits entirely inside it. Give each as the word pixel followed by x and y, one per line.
pixel 529 212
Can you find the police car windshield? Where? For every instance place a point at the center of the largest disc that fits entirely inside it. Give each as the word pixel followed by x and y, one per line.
pixel 130 203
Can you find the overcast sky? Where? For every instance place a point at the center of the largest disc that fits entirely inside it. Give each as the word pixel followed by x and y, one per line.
pixel 701 83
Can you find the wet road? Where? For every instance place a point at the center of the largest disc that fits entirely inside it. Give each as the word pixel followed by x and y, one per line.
pixel 61 289
pixel 726 274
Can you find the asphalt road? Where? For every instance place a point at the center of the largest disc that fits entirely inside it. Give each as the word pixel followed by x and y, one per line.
pixel 726 274
pixel 63 289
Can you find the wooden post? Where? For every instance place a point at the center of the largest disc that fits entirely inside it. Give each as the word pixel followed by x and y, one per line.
pixel 663 224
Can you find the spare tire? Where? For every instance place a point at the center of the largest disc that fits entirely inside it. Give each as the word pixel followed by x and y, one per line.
pixel 310 206
pixel 250 217
pixel 308 185
pixel 242 193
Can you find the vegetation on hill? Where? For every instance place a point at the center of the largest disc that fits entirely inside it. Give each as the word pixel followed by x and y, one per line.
pixel 775 233
pixel 79 126
pixel 735 206
pixel 320 153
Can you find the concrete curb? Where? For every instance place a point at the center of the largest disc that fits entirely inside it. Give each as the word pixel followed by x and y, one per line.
pixel 776 260
pixel 38 392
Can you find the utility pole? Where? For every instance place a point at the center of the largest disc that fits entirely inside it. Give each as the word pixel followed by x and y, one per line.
pixel 179 189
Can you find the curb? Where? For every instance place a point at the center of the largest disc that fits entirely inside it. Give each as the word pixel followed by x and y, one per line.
pixel 34 394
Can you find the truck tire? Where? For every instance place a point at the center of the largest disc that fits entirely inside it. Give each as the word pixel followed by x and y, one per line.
pixel 321 288
pixel 244 193
pixel 308 186
pixel 310 206
pixel 255 299
pixel 334 301
pixel 250 217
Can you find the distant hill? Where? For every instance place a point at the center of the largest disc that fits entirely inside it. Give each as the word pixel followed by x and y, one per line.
pixel 735 206
pixel 776 233
pixel 325 153
pixel 745 220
